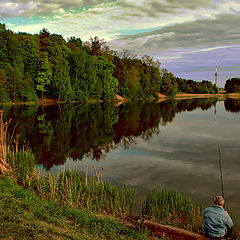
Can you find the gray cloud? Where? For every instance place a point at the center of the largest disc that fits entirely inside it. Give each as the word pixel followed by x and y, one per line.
pixel 224 30
pixel 232 68
pixel 153 8
pixel 13 8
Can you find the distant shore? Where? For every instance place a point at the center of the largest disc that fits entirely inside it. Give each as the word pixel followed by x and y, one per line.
pixel 118 100
pixel 218 95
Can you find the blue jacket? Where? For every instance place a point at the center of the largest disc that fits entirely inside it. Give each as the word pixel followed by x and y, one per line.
pixel 216 221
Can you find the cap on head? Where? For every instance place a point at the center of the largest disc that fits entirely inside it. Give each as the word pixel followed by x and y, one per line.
pixel 219 200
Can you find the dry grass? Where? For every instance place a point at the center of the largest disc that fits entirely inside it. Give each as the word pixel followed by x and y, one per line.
pixel 3 145
pixel 81 191
pixel 15 162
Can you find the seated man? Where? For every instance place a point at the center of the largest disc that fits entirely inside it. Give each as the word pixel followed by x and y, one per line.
pixel 217 222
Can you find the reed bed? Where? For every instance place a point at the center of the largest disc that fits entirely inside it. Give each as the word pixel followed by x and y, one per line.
pixel 169 207
pixel 15 162
pixel 3 145
pixel 88 193
pixel 22 164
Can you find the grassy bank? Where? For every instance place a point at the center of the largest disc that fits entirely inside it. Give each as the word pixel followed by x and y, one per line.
pixel 65 206
pixel 171 208
pixel 23 215
pixel 77 190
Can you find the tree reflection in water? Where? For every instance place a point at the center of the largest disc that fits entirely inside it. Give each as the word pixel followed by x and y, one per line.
pixel 232 105
pixel 77 131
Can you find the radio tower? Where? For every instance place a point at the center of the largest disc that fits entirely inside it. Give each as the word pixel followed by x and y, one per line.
pixel 215 107
pixel 216 73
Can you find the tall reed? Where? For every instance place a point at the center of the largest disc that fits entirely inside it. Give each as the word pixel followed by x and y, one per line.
pixel 15 161
pixel 169 207
pixel 22 162
pixel 3 145
pixel 71 188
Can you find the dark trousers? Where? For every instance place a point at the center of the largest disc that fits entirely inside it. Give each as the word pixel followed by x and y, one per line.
pixel 227 235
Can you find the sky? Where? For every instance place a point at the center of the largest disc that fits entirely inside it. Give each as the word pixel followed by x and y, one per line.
pixel 188 37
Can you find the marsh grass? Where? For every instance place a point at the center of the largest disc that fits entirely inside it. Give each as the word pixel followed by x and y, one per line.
pixel 169 207
pixel 22 162
pixel 77 190
pixel 23 215
pixel 15 162
pixel 3 145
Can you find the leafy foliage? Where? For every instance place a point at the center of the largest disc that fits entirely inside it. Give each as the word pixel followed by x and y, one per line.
pixel 190 86
pixel 45 64
pixel 232 85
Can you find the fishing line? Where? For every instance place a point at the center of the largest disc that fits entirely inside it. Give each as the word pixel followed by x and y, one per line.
pixel 220 168
pixel 219 153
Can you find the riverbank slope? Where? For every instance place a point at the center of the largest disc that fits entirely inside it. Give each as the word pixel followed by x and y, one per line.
pixel 23 215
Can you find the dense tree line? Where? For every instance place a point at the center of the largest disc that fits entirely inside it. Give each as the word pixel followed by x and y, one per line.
pixel 46 65
pixel 232 85
pixel 190 86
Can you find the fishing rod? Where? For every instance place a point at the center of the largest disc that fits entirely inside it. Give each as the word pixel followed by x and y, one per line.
pixel 220 168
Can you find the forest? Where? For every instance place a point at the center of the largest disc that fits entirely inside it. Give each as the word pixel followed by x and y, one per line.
pixel 232 85
pixel 45 65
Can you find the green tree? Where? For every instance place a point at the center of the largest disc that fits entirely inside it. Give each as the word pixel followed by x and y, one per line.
pixel 43 39
pixel 61 86
pixel 133 78
pixel 107 84
pixel 169 85
pixel 4 97
pixel 11 61
pixel 29 45
pixel 44 74
pixel 83 75
pixel 232 85
pixel 76 41
pixel 96 46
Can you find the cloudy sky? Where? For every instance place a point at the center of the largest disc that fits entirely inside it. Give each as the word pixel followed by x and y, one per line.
pixel 187 36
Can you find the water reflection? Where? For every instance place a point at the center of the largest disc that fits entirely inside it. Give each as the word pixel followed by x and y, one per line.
pixel 232 105
pixel 77 131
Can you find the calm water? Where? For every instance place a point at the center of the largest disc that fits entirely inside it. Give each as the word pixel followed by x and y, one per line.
pixel 169 144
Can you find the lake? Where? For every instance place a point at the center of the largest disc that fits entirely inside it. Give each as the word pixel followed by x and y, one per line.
pixel 171 144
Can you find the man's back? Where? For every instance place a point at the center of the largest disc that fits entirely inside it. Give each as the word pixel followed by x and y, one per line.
pixel 216 221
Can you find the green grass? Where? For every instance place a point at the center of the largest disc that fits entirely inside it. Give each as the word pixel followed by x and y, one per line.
pixel 73 189
pixel 23 215
pixel 22 163
pixel 169 207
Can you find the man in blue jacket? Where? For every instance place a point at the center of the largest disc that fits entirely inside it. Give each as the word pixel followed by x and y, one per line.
pixel 217 222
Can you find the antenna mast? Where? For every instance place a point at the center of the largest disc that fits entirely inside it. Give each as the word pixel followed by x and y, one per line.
pixel 216 73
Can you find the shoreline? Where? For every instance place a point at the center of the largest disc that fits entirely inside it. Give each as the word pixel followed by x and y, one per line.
pixel 118 100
